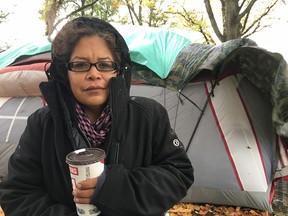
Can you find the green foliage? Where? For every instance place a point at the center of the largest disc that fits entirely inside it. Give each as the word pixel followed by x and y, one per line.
pixel 55 11
pixel 153 13
pixel 103 9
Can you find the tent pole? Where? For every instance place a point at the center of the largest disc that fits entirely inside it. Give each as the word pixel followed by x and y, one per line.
pixel 201 115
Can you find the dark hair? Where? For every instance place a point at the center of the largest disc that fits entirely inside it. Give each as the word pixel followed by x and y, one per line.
pixel 67 38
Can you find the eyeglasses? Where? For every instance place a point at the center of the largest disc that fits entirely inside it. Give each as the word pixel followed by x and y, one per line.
pixel 102 66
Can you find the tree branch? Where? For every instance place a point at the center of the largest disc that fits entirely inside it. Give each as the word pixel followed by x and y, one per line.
pixel 256 23
pixel 212 20
pixel 70 14
pixel 247 9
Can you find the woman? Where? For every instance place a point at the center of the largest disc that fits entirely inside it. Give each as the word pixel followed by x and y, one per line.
pixel 147 169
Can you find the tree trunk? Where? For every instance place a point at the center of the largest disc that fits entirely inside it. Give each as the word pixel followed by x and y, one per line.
pixel 50 19
pixel 231 25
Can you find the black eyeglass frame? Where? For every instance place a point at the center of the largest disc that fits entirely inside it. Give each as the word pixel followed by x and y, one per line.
pixel 115 66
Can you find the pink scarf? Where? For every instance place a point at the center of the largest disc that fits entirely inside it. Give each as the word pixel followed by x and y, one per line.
pixel 97 132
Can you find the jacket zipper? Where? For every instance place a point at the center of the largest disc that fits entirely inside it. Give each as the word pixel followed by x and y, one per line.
pixel 84 137
pixel 116 156
pixel 114 141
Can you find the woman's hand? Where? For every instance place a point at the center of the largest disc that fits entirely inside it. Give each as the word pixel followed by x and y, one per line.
pixel 84 191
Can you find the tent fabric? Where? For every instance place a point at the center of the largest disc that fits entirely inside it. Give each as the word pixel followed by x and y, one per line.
pixel 233 149
pixel 280 200
pixel 18 53
pixel 21 81
pixel 195 57
pixel 239 135
pixel 267 70
pixel 154 48
pixel 14 112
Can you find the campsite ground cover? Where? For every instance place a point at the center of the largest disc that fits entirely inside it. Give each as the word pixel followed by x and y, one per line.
pixel 182 209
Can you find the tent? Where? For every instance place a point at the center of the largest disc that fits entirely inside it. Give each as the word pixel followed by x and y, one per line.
pixel 227 103
pixel 224 105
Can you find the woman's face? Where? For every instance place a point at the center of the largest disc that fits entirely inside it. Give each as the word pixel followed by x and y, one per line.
pixel 91 88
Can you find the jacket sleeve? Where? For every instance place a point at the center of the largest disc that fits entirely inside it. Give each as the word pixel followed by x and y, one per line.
pixel 23 191
pixel 153 189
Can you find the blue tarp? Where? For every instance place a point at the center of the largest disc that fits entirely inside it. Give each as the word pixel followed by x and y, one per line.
pixel 154 48
pixel 18 53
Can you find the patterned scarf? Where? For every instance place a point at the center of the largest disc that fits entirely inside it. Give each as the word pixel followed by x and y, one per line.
pixel 97 132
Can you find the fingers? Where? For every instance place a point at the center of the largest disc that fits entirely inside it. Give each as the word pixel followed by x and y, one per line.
pixel 87 184
pixel 84 191
pixel 82 196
